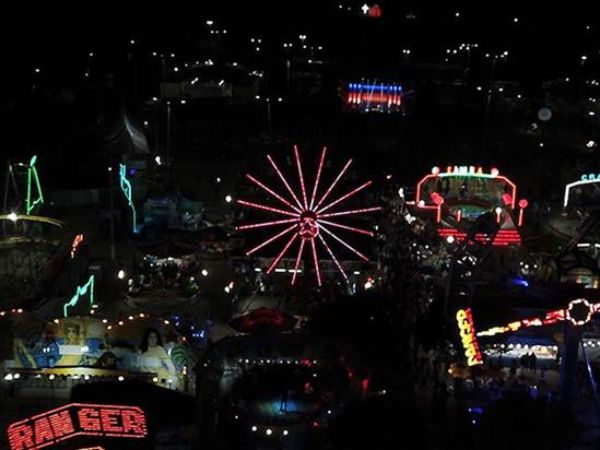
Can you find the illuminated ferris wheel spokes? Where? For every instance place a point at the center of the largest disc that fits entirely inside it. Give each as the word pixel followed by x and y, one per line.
pixel 306 217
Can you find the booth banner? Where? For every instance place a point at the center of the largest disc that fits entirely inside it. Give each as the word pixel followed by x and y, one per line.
pixel 146 346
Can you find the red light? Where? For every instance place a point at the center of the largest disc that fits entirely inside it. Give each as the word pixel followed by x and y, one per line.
pixel 550 318
pixel 375 11
pixel 307 222
pixel 364 385
pixel 75 245
pixel 523 203
pixel 76 419
pixel 437 198
pixel 507 199
pixel 503 237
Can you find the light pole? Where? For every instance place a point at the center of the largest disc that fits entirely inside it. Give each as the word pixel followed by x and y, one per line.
pixel 88 69
pixel 488 103
pixel 133 69
pixel 269 123
pixel 111 196
pixel 288 64
pixel 168 140
pixel 269 115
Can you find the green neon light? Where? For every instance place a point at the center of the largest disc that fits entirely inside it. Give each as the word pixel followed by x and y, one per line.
pixel 127 190
pixel 81 290
pixel 32 174
pixel 469 175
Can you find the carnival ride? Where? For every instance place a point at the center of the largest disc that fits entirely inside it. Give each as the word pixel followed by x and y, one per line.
pixel 32 252
pixel 33 246
pixel 579 222
pixel 308 220
pixel 461 195
pixel 17 175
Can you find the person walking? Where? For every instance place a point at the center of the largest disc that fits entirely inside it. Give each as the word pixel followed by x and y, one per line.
pixel 284 401
pixel 533 362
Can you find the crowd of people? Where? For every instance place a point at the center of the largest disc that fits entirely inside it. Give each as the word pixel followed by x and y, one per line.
pixel 153 274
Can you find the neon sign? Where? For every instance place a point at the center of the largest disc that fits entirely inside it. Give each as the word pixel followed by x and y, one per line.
pixel 81 290
pixel 570 313
pixel 75 245
pixel 128 192
pixel 590 177
pixel 77 419
pixel 32 176
pixel 464 171
pixel 503 238
pixel 467 336
pixel 374 96
pixel 585 179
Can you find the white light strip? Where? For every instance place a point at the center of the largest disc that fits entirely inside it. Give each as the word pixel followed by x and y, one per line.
pixel 569 186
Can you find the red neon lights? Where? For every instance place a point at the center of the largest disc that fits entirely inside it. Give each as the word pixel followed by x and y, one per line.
pixel 385 96
pixel 468 338
pixel 272 192
pixel 267 208
pixel 463 171
pixel 523 203
pixel 502 239
pixel 375 11
pixel 77 419
pixel 437 198
pixel 550 318
pixel 308 217
pixel 580 302
pixel 75 245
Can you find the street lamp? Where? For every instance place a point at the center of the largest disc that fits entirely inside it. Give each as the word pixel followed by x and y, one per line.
pixel 494 58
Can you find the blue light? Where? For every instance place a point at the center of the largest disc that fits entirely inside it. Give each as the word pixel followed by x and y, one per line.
pixel 519 282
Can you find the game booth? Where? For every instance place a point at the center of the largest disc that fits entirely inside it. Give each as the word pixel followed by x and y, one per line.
pixel 47 359
pixel 459 196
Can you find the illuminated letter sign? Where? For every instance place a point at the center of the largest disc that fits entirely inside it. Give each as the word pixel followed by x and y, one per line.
pixel 32 176
pixel 590 177
pixel 467 336
pixel 77 419
pixel 81 290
